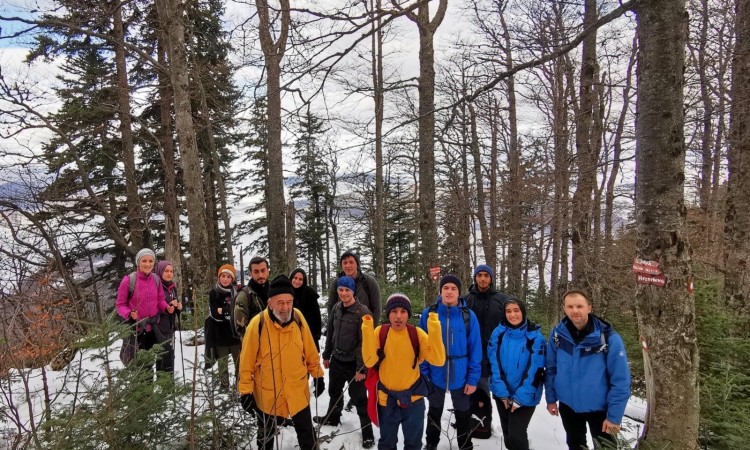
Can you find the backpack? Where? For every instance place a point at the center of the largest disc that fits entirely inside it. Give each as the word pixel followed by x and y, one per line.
pixel 132 278
pixel 253 299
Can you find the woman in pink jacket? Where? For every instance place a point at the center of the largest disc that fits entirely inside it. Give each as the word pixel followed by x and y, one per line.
pixel 140 299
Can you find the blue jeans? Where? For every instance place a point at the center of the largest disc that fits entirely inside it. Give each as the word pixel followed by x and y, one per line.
pixel 411 421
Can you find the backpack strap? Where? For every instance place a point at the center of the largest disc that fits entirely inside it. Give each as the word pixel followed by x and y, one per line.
pixel 297 320
pixel 413 337
pixel 132 278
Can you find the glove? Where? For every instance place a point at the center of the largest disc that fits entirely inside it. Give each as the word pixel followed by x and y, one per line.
pixel 320 386
pixel 248 403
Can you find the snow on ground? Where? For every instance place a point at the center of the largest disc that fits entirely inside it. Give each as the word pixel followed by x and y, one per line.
pixel 545 431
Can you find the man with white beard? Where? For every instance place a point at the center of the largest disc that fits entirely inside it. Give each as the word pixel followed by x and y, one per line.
pixel 278 351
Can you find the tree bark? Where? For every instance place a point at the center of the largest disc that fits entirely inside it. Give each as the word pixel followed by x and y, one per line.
pixel 426 123
pixel 585 151
pixel 291 236
pixel 377 81
pixel 217 174
pixel 273 52
pixel 170 16
pixel 135 221
pixel 481 211
pixel 737 225
pixel 666 315
pixel 515 177
pixel 172 245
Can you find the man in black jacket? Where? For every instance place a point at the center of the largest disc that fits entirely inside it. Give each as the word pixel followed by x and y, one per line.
pixel 489 306
pixel 366 289
pixel 343 357
pixel 252 299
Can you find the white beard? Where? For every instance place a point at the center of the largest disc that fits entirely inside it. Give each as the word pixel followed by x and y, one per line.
pixel 283 317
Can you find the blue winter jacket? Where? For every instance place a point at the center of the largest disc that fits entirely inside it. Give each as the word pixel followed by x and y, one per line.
pixel 463 362
pixel 517 363
pixel 591 376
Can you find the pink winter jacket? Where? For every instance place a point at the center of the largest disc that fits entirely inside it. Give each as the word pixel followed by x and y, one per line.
pixel 148 298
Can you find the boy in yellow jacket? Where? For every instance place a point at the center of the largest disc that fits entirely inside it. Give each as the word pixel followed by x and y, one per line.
pixel 401 389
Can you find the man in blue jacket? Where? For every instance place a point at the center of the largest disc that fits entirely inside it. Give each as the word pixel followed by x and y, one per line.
pixel 587 372
pixel 463 363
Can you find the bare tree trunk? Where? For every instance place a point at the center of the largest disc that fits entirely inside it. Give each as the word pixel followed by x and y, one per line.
pixel 273 52
pixel 170 16
pixel 491 258
pixel 515 181
pixel 172 246
pixel 586 180
pixel 427 220
pixel 737 225
pixel 291 236
pixel 609 199
pixel 666 315
pixel 217 174
pixel 377 81
pixel 707 132
pixel 481 212
pixel 135 221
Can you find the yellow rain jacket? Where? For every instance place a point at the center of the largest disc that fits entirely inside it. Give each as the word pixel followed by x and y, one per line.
pixel 275 363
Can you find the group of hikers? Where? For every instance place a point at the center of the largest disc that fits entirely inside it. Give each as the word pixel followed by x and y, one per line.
pixel 478 347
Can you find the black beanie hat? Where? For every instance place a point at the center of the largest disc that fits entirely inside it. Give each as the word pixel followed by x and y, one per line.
pixel 397 300
pixel 280 285
pixel 450 278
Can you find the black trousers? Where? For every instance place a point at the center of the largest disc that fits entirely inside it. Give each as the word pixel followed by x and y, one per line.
pixel 339 374
pixel 515 425
pixel 575 427
pixel 303 426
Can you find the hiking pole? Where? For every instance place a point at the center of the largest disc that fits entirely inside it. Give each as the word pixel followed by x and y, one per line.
pixel 182 358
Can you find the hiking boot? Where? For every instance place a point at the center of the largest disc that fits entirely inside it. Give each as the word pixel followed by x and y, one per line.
pixel 368 439
pixel 327 420
pixel 430 447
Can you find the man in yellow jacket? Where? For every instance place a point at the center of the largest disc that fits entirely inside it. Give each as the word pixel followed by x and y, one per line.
pixel 278 353
pixel 401 389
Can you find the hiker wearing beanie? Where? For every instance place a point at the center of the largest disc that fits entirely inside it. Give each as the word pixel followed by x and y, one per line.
pixel 167 320
pixel 342 356
pixel 489 306
pixel 252 299
pixel 140 298
pixel 306 300
pixel 221 338
pixel 278 355
pixel 463 365
pixel 366 288
pixel 588 373
pixel 516 352
pixel 396 348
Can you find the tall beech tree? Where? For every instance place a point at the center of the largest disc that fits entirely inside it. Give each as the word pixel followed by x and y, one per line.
pixel 273 52
pixel 171 17
pixel 666 315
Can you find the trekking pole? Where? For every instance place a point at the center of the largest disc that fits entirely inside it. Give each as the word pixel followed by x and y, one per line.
pixel 179 326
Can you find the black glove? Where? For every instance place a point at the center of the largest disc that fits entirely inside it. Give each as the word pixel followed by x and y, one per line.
pixel 248 403
pixel 320 386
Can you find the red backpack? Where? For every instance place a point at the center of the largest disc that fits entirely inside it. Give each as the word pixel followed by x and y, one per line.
pixel 373 375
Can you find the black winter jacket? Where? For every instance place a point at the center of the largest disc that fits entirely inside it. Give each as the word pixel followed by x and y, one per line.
pixel 344 333
pixel 489 308
pixel 306 300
